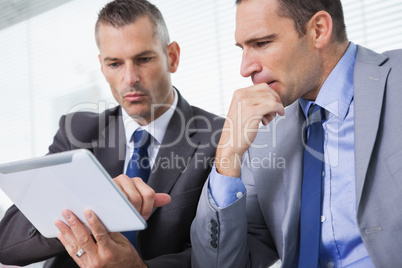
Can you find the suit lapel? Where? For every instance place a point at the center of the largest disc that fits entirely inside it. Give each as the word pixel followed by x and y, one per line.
pixel 369 85
pixel 110 146
pixel 175 151
pixel 292 178
pixel 369 94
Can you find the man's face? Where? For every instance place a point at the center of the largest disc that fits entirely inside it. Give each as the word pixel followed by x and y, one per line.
pixel 273 53
pixel 137 68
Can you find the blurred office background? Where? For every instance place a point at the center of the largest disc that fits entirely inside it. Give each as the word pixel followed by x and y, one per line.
pixel 49 65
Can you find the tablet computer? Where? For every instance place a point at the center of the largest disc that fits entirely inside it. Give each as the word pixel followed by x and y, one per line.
pixel 42 187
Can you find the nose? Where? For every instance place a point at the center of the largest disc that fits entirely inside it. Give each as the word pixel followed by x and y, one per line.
pixel 249 64
pixel 131 75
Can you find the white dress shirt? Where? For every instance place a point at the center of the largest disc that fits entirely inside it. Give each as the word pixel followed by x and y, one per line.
pixel 156 128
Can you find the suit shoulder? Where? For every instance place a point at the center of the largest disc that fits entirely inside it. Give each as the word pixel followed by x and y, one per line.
pixel 394 58
pixel 394 62
pixel 85 126
pixel 89 119
pixel 82 118
pixel 203 117
pixel 394 54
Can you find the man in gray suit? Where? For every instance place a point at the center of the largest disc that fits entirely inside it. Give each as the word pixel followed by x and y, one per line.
pixel 137 59
pixel 297 54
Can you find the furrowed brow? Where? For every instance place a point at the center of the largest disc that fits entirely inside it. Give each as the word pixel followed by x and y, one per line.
pixel 258 39
pixel 110 59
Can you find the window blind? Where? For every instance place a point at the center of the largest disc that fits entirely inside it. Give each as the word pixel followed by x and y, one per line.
pixel 50 64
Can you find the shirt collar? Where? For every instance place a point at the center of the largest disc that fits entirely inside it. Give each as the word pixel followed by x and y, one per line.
pixel 156 128
pixel 337 92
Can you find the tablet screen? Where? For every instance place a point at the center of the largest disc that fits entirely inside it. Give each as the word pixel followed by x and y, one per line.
pixel 43 187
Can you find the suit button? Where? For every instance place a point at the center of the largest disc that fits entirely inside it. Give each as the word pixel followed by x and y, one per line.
pixel 214 237
pixel 214 244
pixel 214 230
pixel 214 223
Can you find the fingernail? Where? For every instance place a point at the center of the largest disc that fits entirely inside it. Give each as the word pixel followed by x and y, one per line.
pixel 66 214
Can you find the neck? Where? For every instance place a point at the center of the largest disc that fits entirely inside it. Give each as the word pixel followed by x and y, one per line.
pixel 331 55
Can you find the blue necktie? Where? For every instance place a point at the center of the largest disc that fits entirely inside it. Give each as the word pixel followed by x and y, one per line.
pixel 310 215
pixel 139 166
pixel 139 163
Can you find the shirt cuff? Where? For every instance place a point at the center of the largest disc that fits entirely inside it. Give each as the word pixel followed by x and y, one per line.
pixel 225 190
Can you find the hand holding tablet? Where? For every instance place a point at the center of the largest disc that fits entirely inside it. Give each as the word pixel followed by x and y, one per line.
pixel 43 187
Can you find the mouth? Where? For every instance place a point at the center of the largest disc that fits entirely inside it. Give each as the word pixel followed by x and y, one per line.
pixel 271 84
pixel 133 97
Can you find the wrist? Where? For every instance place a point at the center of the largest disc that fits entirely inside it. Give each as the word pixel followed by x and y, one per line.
pixel 228 162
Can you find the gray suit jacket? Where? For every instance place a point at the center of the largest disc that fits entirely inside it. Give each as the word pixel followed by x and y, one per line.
pixel 184 164
pixel 263 225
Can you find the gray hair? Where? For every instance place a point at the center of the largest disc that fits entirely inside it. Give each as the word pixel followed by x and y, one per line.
pixel 120 13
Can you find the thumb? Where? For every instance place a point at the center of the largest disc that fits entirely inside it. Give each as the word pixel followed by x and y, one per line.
pixel 161 200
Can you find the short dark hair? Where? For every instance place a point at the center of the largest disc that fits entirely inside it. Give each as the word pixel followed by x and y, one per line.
pixel 120 13
pixel 301 11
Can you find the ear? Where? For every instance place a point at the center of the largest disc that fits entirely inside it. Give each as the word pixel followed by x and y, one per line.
pixel 320 27
pixel 173 54
pixel 101 63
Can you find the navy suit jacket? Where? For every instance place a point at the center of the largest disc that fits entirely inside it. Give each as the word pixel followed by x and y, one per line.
pixel 185 158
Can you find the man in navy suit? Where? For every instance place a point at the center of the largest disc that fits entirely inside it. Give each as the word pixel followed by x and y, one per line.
pixel 136 58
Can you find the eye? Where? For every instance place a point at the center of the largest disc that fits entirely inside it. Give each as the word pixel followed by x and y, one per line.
pixel 114 65
pixel 144 59
pixel 262 43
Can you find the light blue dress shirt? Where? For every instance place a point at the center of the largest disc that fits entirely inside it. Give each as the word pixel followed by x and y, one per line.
pixel 341 243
